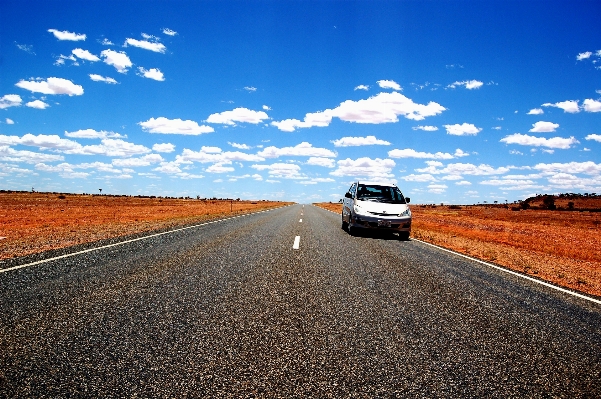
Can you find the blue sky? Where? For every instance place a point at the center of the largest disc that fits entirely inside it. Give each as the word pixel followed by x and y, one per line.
pixel 456 102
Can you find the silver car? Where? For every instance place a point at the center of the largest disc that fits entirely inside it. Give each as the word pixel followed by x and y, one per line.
pixel 377 207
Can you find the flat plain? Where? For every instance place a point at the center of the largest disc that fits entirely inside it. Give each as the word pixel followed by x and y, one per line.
pixel 558 246
pixel 31 223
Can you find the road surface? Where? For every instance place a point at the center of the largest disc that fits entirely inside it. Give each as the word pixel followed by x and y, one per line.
pixel 286 304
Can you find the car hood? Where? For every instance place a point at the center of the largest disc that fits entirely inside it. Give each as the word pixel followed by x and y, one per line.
pixel 382 207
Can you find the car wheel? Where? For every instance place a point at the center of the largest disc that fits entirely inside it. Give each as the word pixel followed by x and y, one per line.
pixel 344 224
pixel 404 236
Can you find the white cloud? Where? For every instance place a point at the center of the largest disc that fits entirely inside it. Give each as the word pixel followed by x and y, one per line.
pixel 590 105
pixel 596 137
pixel 51 86
pixel 169 32
pixel 25 47
pixel 220 168
pixel 588 168
pixel 463 183
pixel 303 149
pixel 240 146
pixel 425 177
pixel 584 56
pixel 146 45
pixel 215 155
pixel 437 188
pixel 320 161
pixel 358 141
pixel 113 148
pixel 266 108
pixel 99 78
pixel 250 88
pixel 37 104
pixel 118 59
pixel 152 73
pixel 281 170
pixel 60 60
pixel 569 106
pixel 468 84
pixel 425 128
pixel 85 55
pixel 536 111
pixel 435 167
pixel 163 147
pixel 146 160
pixel 411 153
pixel 8 154
pixel 555 142
pixel 463 129
pixel 567 181
pixel 373 169
pixel 381 108
pixel 65 35
pixel 9 121
pixel 92 134
pixel 362 87
pixel 174 126
pixel 544 127
pixel 106 42
pixel 389 84
pixel 10 100
pixel 238 115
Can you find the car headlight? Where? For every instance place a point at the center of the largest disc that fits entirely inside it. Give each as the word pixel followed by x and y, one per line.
pixel 406 213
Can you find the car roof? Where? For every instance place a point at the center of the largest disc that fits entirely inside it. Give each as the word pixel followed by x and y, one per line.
pixel 376 183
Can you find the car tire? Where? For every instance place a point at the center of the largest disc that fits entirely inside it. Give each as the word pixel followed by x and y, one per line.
pixel 344 224
pixel 404 236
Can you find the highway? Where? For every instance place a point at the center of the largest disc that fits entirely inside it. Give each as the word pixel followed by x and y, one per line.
pixel 286 304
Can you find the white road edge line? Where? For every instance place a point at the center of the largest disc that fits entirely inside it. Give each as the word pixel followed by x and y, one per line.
pixel 300 221
pixel 506 270
pixel 296 244
pixel 126 242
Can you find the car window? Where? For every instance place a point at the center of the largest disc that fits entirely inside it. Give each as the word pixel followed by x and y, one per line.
pixel 352 189
pixel 379 193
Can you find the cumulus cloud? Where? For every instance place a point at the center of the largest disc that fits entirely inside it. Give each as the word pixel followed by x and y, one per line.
pixel 99 78
pixel 462 130
pixel 10 100
pixel 374 169
pixel 250 88
pixel 152 73
pixel 437 188
pixel 85 55
pixel 215 155
pixel 174 126
pixel 536 111
pixel 590 105
pixel 425 128
pixel 411 153
pixel 426 177
pixel 37 104
pixel 569 106
pixel 238 115
pixel 587 168
pixel 544 127
pixel 468 84
pixel 118 59
pixel 92 134
pixel 8 154
pixel 163 147
pixel 554 142
pixel 281 170
pixel 583 56
pixel 169 32
pixel 459 169
pixel 320 161
pixel 358 141
pixel 51 86
pixel 596 137
pixel 381 108
pixel 220 168
pixel 9 121
pixel 146 45
pixel 389 84
pixel 65 35
pixel 146 160
pixel 362 87
pixel 303 149
pixel 240 146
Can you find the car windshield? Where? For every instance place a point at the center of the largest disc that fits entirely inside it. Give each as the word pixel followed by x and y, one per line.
pixel 388 194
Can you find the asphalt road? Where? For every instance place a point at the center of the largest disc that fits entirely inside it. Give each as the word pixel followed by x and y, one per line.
pixel 230 309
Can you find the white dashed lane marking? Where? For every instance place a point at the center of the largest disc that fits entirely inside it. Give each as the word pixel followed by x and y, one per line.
pixel 296 244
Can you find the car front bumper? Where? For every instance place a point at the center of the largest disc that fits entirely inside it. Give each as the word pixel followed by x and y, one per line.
pixel 380 223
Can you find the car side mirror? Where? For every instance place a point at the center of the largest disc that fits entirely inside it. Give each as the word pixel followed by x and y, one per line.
pixel 348 195
pixel 407 199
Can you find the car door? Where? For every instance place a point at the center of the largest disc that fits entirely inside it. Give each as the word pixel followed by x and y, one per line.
pixel 348 202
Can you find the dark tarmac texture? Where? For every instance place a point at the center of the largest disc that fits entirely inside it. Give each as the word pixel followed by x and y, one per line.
pixel 230 310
